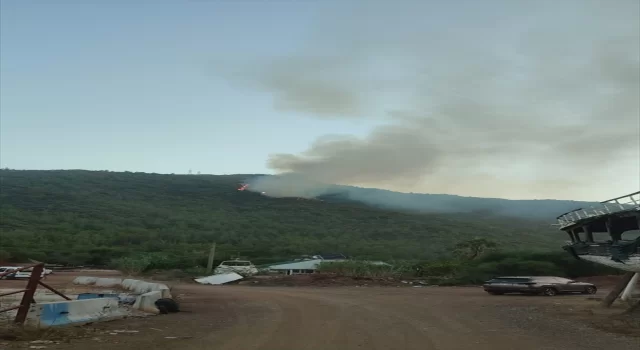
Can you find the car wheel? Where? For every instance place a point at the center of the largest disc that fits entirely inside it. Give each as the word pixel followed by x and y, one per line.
pixel 590 290
pixel 549 292
pixel 495 293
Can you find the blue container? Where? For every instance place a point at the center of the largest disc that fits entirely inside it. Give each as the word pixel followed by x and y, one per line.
pixel 96 296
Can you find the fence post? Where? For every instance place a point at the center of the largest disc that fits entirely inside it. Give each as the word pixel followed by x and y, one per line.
pixel 27 297
pixel 212 254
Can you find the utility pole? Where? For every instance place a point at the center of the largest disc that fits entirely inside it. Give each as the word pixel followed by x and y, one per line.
pixel 212 253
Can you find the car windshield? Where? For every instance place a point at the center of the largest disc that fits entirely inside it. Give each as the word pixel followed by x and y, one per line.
pixel 564 280
pixel 510 280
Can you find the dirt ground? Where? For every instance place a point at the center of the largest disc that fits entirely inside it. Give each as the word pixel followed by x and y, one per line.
pixel 245 317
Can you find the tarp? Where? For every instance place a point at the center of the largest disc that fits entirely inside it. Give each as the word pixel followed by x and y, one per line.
pixel 219 279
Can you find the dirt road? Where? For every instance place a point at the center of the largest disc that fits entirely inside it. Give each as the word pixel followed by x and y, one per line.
pixel 349 318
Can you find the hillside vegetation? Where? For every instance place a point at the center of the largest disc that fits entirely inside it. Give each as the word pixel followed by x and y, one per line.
pixel 92 217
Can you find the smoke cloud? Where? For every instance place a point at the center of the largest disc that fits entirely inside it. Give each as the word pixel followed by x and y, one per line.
pixel 510 99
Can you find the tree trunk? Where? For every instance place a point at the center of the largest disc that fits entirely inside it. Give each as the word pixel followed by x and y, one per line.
pixel 619 287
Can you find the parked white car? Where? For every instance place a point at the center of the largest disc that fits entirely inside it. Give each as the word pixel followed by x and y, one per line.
pixel 24 274
pixel 241 267
pixel 4 269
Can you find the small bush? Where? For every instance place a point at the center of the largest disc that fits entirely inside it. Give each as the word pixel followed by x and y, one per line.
pixel 132 265
pixel 440 268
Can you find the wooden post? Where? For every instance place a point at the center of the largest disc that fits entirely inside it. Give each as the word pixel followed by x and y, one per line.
pixel 619 287
pixel 212 254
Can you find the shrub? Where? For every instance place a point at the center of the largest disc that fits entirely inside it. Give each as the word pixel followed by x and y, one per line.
pixel 132 265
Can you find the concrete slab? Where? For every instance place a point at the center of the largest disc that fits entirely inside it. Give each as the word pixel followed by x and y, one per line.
pixel 62 313
pixel 146 302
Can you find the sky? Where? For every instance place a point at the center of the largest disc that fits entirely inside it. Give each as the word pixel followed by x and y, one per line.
pixel 512 99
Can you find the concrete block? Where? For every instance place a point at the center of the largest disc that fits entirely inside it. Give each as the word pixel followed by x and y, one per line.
pixel 141 287
pixel 127 283
pixel 85 281
pixel 74 312
pixel 162 288
pixel 108 282
pixel 146 302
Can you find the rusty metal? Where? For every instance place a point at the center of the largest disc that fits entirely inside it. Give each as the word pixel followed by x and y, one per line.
pixel 29 292
pixel 9 308
pixel 53 290
pixel 12 293
pixel 630 202
pixel 27 297
pixel 621 197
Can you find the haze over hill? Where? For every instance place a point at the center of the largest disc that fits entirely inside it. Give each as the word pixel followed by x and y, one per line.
pixel 291 185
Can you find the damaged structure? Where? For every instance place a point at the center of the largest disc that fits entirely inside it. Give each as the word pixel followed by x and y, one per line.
pixel 617 219
pixel 307 264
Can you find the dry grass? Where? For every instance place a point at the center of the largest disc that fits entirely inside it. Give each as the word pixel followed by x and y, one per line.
pixel 13 332
pixel 612 320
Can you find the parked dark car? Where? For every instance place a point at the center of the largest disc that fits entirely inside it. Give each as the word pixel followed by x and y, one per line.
pixel 548 286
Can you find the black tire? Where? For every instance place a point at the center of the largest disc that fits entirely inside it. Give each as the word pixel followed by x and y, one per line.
pixel 162 309
pixel 590 290
pixel 167 305
pixel 495 293
pixel 549 292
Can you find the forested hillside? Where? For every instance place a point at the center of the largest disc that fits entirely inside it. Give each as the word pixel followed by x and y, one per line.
pixel 85 217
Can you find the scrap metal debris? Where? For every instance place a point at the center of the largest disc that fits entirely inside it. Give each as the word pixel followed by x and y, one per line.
pixel 219 279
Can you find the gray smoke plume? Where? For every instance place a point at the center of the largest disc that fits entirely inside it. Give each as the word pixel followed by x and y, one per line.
pixel 494 98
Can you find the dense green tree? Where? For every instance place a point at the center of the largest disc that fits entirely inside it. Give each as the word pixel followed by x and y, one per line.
pixel 473 248
pixel 96 217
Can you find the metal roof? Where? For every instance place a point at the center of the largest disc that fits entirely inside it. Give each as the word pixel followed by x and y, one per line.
pixel 297 265
pixel 312 264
